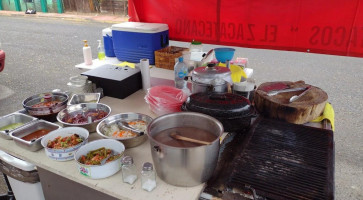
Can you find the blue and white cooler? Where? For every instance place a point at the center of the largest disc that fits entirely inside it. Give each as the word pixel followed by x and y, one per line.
pixel 107 42
pixel 133 41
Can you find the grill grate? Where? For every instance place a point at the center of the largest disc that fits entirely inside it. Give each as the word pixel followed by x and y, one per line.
pixel 286 161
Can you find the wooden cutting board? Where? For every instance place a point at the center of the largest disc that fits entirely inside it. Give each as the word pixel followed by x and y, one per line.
pixel 306 108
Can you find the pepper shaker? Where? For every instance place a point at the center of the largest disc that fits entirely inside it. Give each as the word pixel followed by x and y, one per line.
pixel 129 174
pixel 148 178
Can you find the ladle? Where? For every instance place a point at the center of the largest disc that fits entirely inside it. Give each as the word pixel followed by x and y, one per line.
pixel 176 136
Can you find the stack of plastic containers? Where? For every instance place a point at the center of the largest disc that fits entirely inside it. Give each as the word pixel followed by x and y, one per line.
pixel 165 99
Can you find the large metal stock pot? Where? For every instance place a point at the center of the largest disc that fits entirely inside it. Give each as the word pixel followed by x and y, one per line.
pixel 184 166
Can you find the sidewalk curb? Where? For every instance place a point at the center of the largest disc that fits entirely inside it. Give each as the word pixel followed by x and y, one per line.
pixel 112 19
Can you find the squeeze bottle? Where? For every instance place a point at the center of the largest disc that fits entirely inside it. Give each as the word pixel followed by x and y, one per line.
pixel 101 51
pixel 87 53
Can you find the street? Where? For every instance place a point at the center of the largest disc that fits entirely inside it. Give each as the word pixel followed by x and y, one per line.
pixel 41 54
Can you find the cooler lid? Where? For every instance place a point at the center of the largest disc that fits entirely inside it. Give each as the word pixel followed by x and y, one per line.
pixel 107 31
pixel 140 27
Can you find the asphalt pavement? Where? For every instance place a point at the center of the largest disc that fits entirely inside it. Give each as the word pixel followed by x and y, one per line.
pixel 42 50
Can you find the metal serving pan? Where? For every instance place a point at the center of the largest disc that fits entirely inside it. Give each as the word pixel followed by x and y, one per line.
pixel 33 145
pixel 12 119
pixel 84 98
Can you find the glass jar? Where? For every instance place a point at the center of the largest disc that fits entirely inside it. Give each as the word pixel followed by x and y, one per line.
pixel 129 174
pixel 196 46
pixel 78 85
pixel 148 177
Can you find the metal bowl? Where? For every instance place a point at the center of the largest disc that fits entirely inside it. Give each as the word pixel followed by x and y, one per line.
pixel 48 113
pixel 128 142
pixel 80 109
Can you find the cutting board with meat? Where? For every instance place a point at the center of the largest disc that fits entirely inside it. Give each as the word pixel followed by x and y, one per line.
pixel 307 107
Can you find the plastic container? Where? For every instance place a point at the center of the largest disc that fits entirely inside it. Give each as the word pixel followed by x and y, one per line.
pixel 180 72
pixel 23 177
pixel 107 42
pixel 133 41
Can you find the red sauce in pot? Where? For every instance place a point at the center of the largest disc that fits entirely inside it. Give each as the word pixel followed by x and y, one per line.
pixel 46 104
pixel 36 134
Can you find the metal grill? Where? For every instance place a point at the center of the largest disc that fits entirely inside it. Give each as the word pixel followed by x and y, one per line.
pixel 280 160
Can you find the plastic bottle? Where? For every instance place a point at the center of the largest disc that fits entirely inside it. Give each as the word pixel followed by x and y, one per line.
pixel 129 174
pixel 87 53
pixel 101 51
pixel 148 178
pixel 180 72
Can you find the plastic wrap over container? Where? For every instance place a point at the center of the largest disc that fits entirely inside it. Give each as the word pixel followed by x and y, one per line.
pixel 166 99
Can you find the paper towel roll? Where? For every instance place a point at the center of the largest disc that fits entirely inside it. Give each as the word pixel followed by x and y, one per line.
pixel 145 73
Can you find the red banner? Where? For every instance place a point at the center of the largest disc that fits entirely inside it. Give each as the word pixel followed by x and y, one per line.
pixel 316 26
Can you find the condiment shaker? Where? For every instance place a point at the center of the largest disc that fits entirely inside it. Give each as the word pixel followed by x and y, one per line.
pixel 129 174
pixel 148 178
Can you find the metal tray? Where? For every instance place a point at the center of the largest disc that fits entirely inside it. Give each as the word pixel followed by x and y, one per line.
pixel 33 145
pixel 14 118
pixel 84 98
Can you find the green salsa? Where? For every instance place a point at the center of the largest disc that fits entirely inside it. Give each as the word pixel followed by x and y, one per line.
pixel 11 126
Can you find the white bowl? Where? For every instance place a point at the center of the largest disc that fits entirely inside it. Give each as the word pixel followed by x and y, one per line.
pixel 68 153
pixel 100 171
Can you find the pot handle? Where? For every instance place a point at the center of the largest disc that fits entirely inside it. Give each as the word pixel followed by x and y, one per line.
pixel 158 151
pixel 217 97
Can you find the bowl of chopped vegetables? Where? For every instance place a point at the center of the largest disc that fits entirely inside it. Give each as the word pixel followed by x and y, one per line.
pixel 100 158
pixel 128 128
pixel 85 115
pixel 61 144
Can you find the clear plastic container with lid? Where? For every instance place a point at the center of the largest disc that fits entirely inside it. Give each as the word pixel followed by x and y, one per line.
pixel 196 46
pixel 79 85
pixel 129 174
pixel 148 177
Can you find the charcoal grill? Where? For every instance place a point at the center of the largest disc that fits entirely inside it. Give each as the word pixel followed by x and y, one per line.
pixel 275 160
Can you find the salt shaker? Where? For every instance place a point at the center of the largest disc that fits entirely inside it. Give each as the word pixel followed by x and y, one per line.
pixel 148 178
pixel 129 174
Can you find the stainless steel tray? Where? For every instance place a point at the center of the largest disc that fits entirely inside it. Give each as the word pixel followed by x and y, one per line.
pixel 33 145
pixel 84 98
pixel 12 118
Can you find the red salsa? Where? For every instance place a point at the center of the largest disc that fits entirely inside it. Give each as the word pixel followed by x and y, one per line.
pixel 36 134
